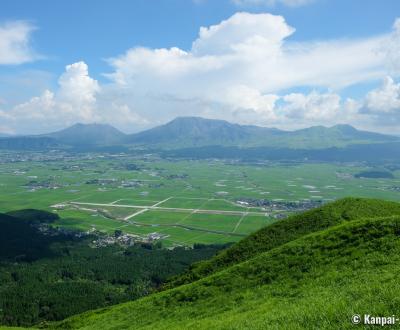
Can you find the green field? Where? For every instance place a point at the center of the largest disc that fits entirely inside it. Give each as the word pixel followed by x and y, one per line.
pixel 190 201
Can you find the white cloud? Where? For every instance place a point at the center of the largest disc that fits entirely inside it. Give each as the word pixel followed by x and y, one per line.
pixel 391 48
pixel 271 3
pixel 238 70
pixel 312 107
pixel 385 99
pixel 39 107
pixel 252 50
pixel 241 97
pixel 15 45
pixel 77 93
pixel 76 100
pixel 243 32
pixel 242 64
pixel 123 115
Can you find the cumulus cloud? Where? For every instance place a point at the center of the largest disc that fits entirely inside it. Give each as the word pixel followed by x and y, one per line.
pixel 77 93
pixel 242 64
pixel 238 69
pixel 75 100
pixel 385 99
pixel 38 107
pixel 252 50
pixel 244 98
pixel 313 106
pixel 241 33
pixel 15 45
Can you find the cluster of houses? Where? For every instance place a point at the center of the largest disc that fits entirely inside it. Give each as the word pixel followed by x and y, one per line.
pixel 102 182
pixel 101 239
pixel 126 240
pixel 28 156
pixel 34 185
pixel 281 205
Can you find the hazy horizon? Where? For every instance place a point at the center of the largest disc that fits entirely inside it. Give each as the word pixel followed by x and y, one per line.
pixel 150 127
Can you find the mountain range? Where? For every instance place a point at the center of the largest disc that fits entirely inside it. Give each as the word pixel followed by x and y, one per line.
pixel 194 131
pixel 186 132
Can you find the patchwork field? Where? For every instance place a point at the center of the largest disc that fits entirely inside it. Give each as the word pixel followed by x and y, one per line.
pixel 185 201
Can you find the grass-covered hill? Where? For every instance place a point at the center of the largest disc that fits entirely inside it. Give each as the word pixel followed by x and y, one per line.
pixel 288 230
pixel 311 271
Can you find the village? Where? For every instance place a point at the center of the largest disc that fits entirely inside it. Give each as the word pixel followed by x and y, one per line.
pixel 280 205
pixel 100 239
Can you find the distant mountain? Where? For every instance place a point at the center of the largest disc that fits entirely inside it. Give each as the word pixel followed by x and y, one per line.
pixel 190 132
pixel 195 131
pixel 335 136
pixel 28 143
pixel 77 136
pixel 89 134
pixel 199 132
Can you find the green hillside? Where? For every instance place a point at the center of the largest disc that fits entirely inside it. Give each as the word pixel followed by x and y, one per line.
pixel 313 271
pixel 290 229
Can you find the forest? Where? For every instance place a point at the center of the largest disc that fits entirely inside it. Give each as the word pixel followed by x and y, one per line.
pixel 50 277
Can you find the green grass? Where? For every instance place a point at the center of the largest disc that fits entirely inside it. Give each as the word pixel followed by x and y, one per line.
pixel 286 230
pixel 160 217
pixel 315 279
pixel 252 223
pixel 84 221
pixel 216 222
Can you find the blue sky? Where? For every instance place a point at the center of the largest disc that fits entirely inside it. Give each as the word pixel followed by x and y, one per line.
pixel 95 38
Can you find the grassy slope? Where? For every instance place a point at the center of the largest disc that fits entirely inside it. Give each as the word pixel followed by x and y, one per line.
pixel 287 230
pixel 317 280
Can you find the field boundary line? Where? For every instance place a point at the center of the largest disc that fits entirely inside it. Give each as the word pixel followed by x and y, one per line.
pixel 193 212
pixel 159 203
pixel 239 222
pixel 135 214
pixel 118 200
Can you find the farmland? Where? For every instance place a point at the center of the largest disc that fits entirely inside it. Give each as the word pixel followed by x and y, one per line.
pixel 182 201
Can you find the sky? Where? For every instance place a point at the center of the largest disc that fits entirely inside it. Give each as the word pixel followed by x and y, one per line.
pixel 136 64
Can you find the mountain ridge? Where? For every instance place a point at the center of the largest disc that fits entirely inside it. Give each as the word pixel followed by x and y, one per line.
pixel 88 134
pixel 198 132
pixel 183 132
